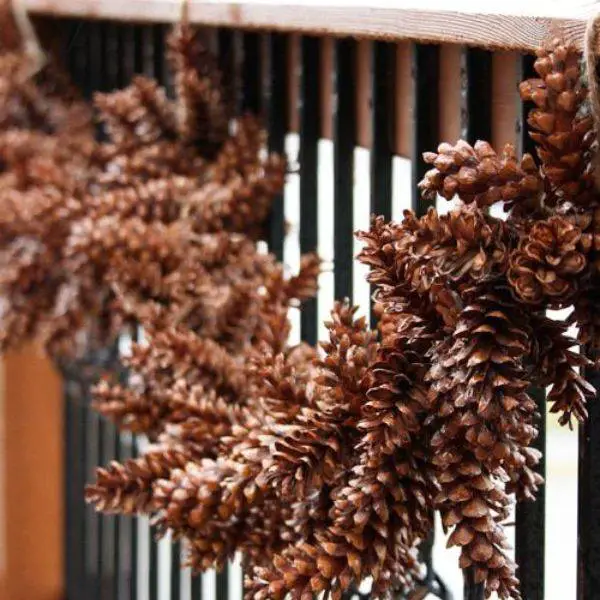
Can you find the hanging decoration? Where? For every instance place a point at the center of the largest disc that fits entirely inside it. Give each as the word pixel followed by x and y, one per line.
pixel 323 467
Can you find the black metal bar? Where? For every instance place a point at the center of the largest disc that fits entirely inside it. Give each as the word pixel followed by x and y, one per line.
pixel 310 120
pixel 478 115
pixel 426 71
pixel 153 566
pixel 76 463
pixel 383 119
pixel 196 587
pixel 77 548
pixel 176 571
pixel 158 54
pixel 91 45
pixel 227 44
pixel 222 584
pixel 277 118
pixel 472 590
pixel 252 74
pixel 588 521
pixel 156 63
pixel 343 166
pixel 136 46
pixel 70 455
pixel 530 519
pixel 134 545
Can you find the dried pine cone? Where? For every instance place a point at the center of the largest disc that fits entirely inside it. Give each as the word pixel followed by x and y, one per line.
pixel 563 134
pixel 478 175
pixel 548 264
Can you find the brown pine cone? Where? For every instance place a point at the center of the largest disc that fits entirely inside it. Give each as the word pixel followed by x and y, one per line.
pixel 557 363
pixel 137 115
pixel 201 109
pixel 563 136
pixel 482 425
pixel 478 174
pixel 459 247
pixel 127 488
pixel 548 263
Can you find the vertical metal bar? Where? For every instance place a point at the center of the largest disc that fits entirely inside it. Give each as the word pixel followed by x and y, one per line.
pixel 175 571
pixel 227 43
pixel 124 526
pixel 343 166
pixel 76 463
pixel 478 116
pixel 472 590
pixel 158 71
pixel 531 516
pixel 426 68
pixel 426 77
pixel 310 119
pixel 76 549
pixel 588 521
pixel 134 545
pixel 383 126
pixel 197 587
pixel 153 567
pixel 109 69
pixel 70 455
pixel 252 74
pixel 277 120
pixel 159 37
pixel 223 584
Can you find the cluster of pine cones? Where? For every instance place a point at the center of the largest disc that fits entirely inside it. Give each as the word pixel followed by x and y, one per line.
pixel 323 467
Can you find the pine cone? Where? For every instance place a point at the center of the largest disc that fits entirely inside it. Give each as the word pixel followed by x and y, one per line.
pixel 562 134
pixel 483 422
pixel 202 111
pixel 479 175
pixel 548 264
pixel 127 488
pixel 556 363
pixel 139 115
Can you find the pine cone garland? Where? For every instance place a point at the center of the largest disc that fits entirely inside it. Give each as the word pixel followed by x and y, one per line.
pixel 323 467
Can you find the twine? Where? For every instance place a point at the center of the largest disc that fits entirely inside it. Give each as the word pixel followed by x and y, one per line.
pixel 31 43
pixel 184 15
pixel 591 52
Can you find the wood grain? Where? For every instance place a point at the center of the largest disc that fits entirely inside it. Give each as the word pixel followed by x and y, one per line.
pixel 505 98
pixel 509 24
pixel 364 133
pixel 450 82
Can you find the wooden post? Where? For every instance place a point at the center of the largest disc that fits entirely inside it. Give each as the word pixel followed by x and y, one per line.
pixel 31 482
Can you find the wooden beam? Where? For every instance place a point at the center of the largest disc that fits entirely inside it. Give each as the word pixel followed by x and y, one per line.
pixel 512 24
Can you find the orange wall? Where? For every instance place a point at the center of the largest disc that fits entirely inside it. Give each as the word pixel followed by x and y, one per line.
pixel 31 479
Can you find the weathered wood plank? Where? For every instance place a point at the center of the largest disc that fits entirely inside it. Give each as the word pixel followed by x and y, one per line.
pixel 509 24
